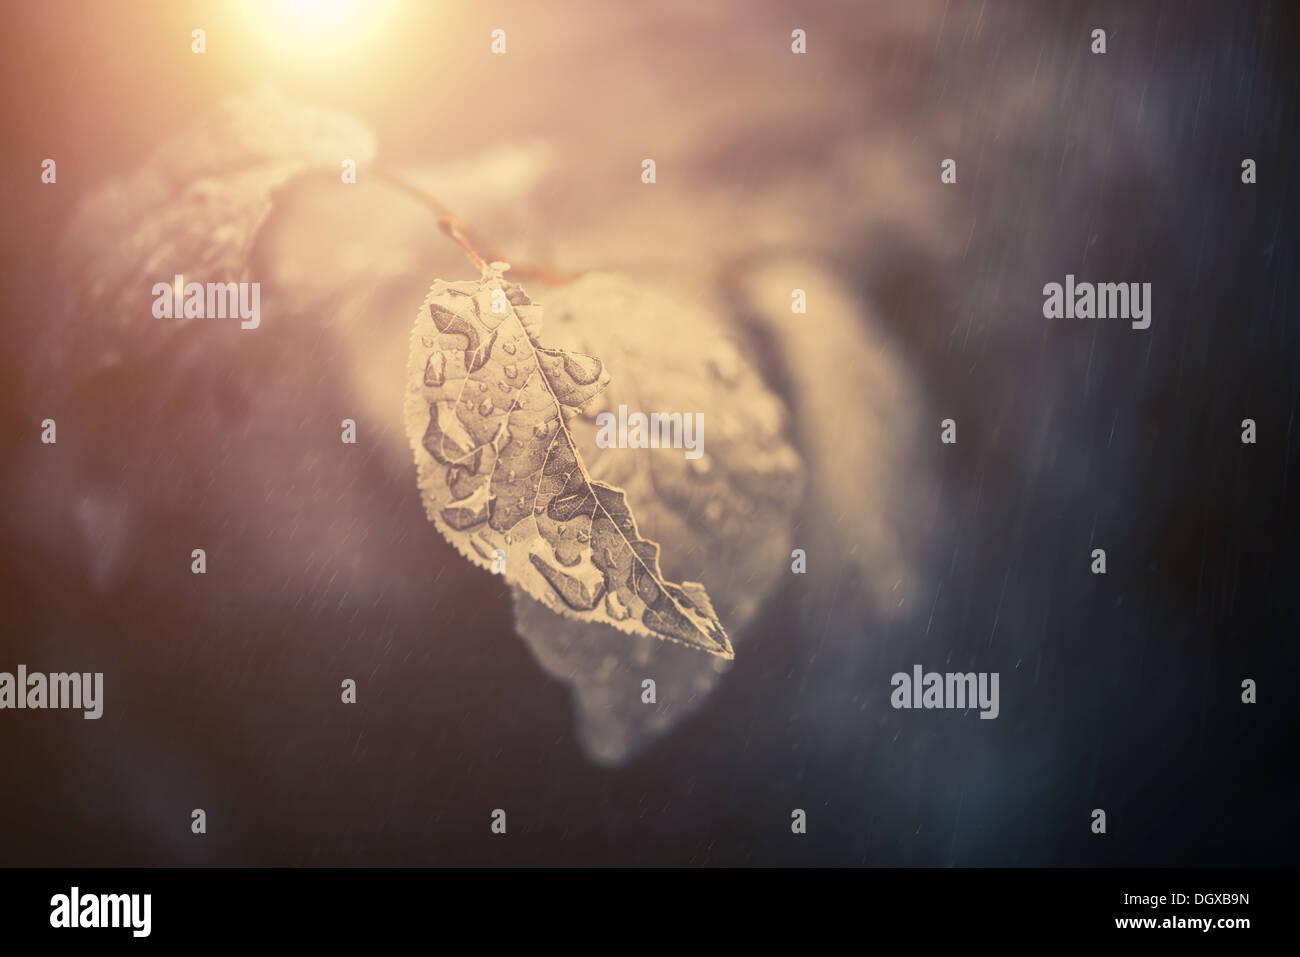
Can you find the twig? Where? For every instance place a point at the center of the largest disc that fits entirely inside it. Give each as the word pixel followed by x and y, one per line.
pixel 480 253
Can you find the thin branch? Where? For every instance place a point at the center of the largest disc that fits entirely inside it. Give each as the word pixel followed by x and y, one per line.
pixel 448 222
pixel 480 252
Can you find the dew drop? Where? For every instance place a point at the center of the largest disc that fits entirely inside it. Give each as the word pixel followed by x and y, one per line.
pixel 577 594
pixel 615 607
pixel 503 387
pixel 435 370
pixel 509 348
pixel 511 371
pixel 583 370
pixel 485 408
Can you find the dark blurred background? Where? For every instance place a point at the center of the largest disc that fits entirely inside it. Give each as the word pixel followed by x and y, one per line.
pixel 1119 692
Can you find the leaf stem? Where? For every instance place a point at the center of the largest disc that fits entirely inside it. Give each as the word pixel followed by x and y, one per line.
pixel 448 222
pixel 480 253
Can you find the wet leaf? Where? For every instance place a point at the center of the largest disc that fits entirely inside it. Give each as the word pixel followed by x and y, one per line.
pixel 727 517
pixel 487 413
pixel 195 209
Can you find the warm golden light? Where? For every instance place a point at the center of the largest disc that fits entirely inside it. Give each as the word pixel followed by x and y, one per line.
pixel 316 29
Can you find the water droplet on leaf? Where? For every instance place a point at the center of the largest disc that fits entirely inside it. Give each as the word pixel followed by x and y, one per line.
pixel 435 370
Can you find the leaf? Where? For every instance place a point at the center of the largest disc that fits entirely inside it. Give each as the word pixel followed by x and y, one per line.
pixel 727 517
pixel 195 209
pixel 729 511
pixel 487 411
